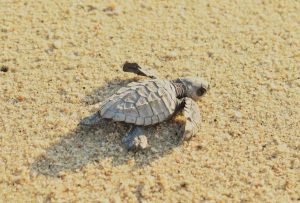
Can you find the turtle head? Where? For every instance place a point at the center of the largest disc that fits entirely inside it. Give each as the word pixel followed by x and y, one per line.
pixel 195 87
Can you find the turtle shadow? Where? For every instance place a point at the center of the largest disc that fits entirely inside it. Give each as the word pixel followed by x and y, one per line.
pixel 96 145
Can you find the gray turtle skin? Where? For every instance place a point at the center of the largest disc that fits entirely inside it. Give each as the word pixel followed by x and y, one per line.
pixel 149 102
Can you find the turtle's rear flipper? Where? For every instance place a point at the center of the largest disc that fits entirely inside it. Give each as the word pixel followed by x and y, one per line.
pixel 135 68
pixel 135 139
pixel 92 120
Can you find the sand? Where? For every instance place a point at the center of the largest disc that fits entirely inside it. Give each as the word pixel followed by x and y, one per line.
pixel 60 59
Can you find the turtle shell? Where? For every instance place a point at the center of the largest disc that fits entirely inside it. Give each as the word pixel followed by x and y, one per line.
pixel 141 103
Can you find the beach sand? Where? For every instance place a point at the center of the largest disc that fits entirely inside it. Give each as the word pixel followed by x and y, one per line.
pixel 60 59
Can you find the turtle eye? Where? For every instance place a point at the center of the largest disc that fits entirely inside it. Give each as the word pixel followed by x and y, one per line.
pixel 201 91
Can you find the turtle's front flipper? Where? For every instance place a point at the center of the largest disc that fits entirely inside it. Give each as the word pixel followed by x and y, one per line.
pixel 135 68
pixel 92 120
pixel 191 112
pixel 135 139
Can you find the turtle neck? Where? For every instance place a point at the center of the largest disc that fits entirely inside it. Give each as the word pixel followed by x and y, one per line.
pixel 179 89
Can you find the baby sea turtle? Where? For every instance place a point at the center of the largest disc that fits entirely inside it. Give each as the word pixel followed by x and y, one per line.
pixel 150 102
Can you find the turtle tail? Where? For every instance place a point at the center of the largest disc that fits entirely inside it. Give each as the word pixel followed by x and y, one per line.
pixel 91 120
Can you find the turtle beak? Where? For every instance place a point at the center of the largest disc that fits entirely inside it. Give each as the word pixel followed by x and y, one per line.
pixel 207 88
